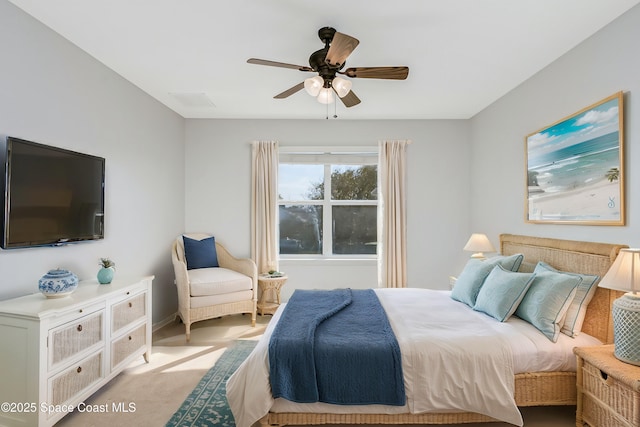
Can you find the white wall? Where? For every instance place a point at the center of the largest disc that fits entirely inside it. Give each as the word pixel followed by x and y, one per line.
pixel 53 93
pixel 604 64
pixel 166 175
pixel 464 176
pixel 218 174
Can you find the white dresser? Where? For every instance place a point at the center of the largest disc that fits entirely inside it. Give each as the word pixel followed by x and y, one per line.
pixel 55 353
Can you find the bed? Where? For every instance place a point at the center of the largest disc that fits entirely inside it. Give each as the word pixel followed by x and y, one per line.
pixel 530 388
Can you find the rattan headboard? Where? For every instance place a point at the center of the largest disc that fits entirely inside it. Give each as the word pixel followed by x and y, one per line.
pixel 578 257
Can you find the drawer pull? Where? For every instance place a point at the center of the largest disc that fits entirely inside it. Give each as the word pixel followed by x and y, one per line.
pixel 130 338
pixel 79 369
pixel 128 292
pixel 130 304
pixel 80 310
pixel 79 328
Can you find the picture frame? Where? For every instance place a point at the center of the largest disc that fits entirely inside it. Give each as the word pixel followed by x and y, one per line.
pixel 575 168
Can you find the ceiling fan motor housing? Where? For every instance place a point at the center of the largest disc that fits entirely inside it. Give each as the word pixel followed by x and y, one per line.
pixel 317 60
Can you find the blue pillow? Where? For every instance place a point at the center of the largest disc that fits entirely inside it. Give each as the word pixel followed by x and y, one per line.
pixel 200 253
pixel 470 281
pixel 502 292
pixel 547 301
pixel 578 307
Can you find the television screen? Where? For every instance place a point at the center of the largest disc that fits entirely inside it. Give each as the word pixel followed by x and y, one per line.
pixel 52 196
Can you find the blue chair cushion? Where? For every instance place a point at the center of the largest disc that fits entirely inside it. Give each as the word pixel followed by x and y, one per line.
pixel 200 253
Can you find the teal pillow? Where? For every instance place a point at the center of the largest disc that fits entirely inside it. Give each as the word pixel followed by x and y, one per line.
pixel 470 281
pixel 200 253
pixel 509 262
pixel 547 301
pixel 502 292
pixel 578 307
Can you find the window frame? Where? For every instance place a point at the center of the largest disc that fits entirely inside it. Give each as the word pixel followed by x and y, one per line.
pixel 327 156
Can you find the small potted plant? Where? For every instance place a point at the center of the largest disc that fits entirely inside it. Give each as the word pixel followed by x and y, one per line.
pixel 105 274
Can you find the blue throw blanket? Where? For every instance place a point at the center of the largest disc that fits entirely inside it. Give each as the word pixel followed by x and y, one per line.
pixel 336 347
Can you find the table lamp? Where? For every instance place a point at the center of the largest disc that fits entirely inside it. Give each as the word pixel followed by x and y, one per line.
pixel 479 243
pixel 624 275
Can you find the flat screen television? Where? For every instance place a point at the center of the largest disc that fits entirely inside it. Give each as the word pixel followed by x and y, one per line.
pixel 51 196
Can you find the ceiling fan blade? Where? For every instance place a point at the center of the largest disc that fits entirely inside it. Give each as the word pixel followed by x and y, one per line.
pixel 290 91
pixel 350 99
pixel 278 64
pixel 392 73
pixel 341 47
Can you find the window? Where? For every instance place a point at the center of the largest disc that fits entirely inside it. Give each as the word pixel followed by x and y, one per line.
pixel 327 202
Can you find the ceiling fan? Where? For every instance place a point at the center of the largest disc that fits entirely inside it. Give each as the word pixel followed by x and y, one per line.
pixel 328 63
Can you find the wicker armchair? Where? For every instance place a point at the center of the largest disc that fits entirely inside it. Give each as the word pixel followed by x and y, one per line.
pixel 206 293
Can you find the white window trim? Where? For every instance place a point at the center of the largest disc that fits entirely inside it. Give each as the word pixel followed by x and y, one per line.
pixel 363 155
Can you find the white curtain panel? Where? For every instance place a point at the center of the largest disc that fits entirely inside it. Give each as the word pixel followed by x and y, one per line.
pixel 264 197
pixel 392 214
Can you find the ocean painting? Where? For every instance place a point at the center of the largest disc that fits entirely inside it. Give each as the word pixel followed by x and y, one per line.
pixel 575 168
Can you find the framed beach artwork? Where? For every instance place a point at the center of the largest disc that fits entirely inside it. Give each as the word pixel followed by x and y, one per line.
pixel 575 168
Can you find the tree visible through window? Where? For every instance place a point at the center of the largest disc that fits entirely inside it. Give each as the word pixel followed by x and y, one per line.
pixel 327 209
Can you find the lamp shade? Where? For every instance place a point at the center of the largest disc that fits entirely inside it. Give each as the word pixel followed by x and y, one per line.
pixel 624 274
pixel 325 96
pixel 313 85
pixel 342 86
pixel 479 243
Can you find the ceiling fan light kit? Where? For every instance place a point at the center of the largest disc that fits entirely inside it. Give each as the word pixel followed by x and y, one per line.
pixel 313 85
pixel 325 96
pixel 341 86
pixel 328 62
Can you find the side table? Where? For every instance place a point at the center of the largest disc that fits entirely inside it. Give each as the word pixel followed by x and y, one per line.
pixel 608 389
pixel 270 292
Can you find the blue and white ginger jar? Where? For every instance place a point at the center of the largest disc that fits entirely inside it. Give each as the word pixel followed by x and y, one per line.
pixel 58 283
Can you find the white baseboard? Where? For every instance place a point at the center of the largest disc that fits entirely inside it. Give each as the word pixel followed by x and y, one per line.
pixel 165 322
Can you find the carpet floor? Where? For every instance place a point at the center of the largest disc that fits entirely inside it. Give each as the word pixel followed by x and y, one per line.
pixel 153 392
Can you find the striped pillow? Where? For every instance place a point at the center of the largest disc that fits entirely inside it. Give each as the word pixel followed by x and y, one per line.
pixel 578 308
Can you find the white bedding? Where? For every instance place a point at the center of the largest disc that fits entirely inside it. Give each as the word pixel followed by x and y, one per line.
pixel 419 318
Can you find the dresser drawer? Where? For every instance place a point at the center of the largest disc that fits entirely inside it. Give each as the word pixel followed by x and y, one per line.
pixel 73 337
pixel 75 379
pixel 607 399
pixel 128 344
pixel 128 311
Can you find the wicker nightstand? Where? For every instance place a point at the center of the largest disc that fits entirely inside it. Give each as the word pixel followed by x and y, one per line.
pixel 608 389
pixel 269 293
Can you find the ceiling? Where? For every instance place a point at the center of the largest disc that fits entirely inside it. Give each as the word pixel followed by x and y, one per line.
pixel 191 55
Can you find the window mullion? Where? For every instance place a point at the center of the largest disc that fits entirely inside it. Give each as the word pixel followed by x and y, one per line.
pixel 327 221
pixel 354 202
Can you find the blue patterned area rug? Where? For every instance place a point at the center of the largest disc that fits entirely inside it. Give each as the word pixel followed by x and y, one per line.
pixel 207 404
